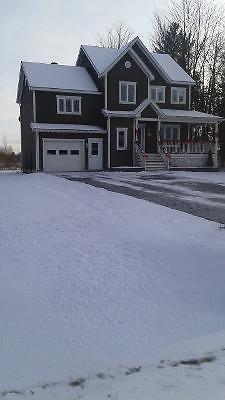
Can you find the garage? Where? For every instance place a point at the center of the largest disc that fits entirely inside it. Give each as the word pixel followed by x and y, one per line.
pixel 63 155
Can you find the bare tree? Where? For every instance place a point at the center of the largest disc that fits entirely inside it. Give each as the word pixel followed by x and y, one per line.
pixel 197 41
pixel 116 36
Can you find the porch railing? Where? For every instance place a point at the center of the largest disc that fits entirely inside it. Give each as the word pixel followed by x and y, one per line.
pixel 139 153
pixel 187 146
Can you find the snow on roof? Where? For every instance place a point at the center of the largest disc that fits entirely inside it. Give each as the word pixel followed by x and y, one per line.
pixel 62 77
pixel 102 57
pixel 188 114
pixel 173 70
pixel 67 127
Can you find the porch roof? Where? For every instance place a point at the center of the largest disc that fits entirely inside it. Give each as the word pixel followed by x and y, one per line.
pixel 188 116
pixel 67 128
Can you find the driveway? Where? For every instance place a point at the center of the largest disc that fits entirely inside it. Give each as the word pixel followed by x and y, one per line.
pixel 200 194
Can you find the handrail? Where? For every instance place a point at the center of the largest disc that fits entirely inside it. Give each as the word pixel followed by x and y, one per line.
pixel 165 154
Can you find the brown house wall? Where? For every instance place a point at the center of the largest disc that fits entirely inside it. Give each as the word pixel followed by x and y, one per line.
pixel 120 73
pixel 121 157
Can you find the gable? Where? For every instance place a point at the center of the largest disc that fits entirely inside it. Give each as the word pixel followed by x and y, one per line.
pixel 149 112
pixel 164 67
pixel 133 74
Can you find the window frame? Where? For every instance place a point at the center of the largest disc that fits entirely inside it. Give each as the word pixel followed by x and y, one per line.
pixel 177 88
pixel 125 131
pixel 164 127
pixel 65 98
pixel 127 83
pixel 157 87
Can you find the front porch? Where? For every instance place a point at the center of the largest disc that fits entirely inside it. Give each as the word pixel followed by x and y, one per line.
pixel 172 145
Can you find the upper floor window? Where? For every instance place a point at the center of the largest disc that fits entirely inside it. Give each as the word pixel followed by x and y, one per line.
pixel 68 105
pixel 178 95
pixel 127 92
pixel 121 139
pixel 157 94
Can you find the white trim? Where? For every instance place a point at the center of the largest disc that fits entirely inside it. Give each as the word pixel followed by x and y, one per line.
pixel 64 98
pixel 127 83
pixel 124 130
pixel 106 91
pixel 37 151
pixel 141 64
pixel 45 89
pixel 34 106
pixel 158 66
pixel 148 119
pixel 158 87
pixel 189 97
pixel 177 88
pixel 109 142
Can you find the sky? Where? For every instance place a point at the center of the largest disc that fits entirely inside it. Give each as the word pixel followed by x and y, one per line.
pixel 52 30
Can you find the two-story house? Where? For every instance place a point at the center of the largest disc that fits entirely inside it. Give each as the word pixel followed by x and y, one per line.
pixel 114 108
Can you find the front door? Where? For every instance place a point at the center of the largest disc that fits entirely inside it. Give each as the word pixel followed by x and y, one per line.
pixel 95 152
pixel 152 142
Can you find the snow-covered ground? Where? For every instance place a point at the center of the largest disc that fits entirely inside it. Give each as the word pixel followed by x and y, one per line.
pixel 94 283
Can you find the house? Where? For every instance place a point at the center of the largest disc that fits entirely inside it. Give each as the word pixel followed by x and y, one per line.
pixel 115 108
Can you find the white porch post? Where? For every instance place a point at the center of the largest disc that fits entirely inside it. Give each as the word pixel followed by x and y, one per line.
pixel 188 146
pixel 109 143
pixel 216 145
pixel 158 134
pixel 37 151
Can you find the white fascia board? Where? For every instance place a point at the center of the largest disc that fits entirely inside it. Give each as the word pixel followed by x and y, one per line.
pixel 141 64
pixel 158 67
pixel 89 59
pixel 194 120
pixel 45 89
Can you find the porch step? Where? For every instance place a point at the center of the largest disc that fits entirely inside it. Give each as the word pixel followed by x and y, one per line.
pixel 154 162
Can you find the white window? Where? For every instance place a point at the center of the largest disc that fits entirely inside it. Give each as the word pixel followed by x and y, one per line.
pixel 170 132
pixel 121 139
pixel 178 95
pixel 68 105
pixel 127 92
pixel 157 94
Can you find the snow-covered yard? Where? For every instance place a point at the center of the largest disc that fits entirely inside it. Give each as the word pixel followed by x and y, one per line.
pixel 94 283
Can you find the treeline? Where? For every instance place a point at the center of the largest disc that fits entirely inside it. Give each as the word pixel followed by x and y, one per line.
pixel 192 32
pixel 8 159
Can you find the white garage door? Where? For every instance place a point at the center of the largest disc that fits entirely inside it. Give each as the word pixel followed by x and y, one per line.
pixel 63 155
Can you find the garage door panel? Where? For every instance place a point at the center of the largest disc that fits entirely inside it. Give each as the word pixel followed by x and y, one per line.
pixel 63 155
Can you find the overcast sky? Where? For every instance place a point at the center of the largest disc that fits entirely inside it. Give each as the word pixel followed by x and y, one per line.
pixel 52 30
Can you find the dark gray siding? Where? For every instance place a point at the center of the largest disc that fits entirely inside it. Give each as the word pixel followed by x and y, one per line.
pixel 148 112
pixel 159 80
pixel 121 157
pixel 28 139
pixel 120 73
pixel 91 106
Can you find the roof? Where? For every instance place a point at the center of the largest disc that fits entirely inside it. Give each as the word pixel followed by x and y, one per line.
pixel 67 128
pixel 56 77
pixel 103 59
pixel 173 70
pixel 188 115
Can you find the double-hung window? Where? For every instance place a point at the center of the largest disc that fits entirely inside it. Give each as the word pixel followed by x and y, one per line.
pixel 121 138
pixel 157 94
pixel 170 132
pixel 69 105
pixel 127 92
pixel 178 95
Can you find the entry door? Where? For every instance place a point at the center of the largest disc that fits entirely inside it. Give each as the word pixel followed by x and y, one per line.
pixel 95 152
